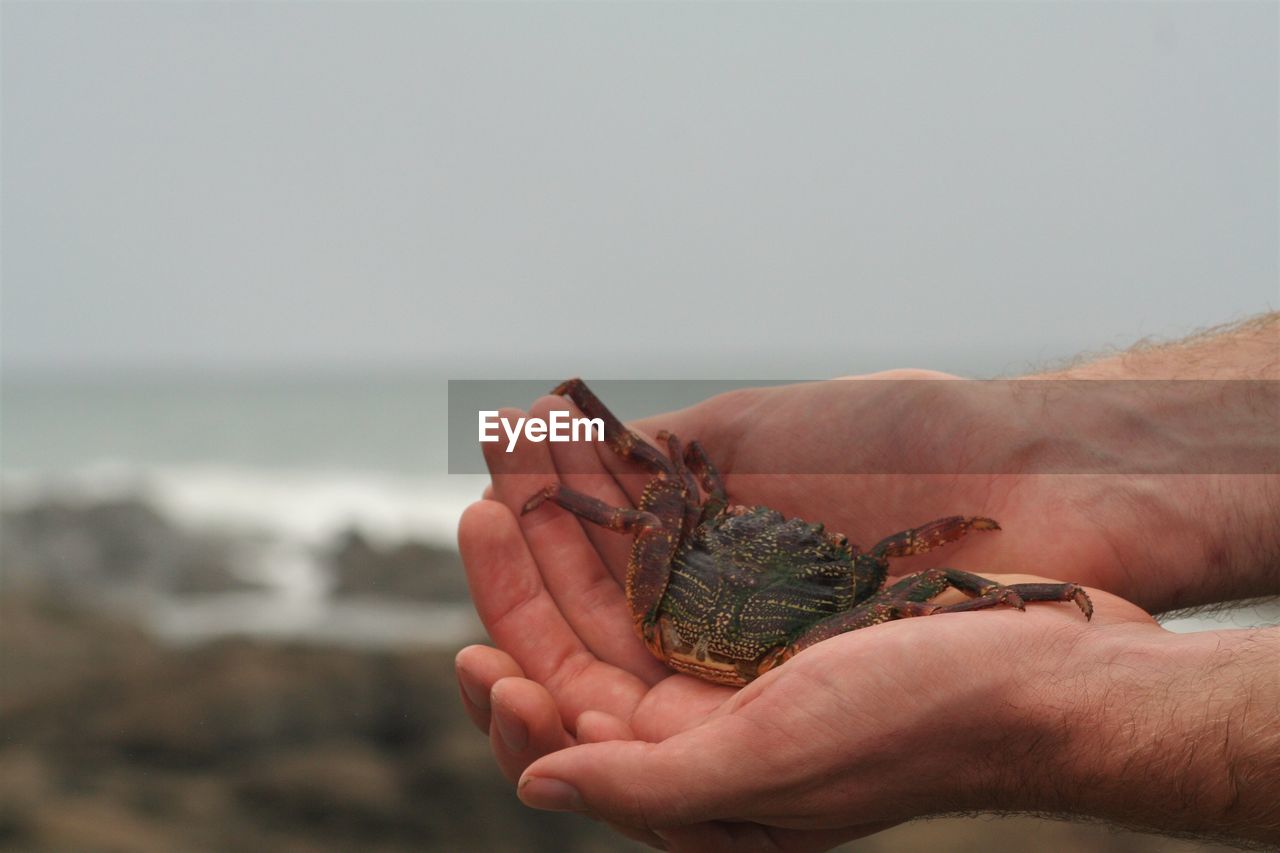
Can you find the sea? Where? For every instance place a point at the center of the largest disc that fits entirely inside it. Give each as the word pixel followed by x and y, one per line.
pixel 281 464
pixel 285 462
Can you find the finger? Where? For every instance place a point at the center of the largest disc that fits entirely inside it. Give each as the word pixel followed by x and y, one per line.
pixel 629 477
pixel 587 595
pixel 487 494
pixel 715 421
pixel 507 591
pixel 579 467
pixel 712 773
pixel 525 725
pixel 597 727
pixel 478 668
pixel 523 620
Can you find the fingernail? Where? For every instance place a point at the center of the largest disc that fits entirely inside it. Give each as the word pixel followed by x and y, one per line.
pixel 510 728
pixel 475 695
pixel 549 794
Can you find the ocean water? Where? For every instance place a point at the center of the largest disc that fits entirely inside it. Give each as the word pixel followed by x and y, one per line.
pixel 286 463
pixel 300 456
pixel 282 464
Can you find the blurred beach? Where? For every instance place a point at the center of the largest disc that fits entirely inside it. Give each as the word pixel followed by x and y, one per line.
pixel 230 610
pixel 246 245
pixel 305 498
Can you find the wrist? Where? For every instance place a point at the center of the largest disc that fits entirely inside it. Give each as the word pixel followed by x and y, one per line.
pixel 1181 485
pixel 1177 733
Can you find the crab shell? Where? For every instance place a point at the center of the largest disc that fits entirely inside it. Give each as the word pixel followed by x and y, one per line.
pixel 744 584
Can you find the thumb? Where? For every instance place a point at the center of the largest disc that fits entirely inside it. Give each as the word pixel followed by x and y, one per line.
pixel 712 772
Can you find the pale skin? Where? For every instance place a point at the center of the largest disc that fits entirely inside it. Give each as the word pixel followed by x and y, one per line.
pixel 994 711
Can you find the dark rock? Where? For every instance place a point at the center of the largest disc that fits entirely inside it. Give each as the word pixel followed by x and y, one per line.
pixel 407 570
pixel 109 741
pixel 114 548
pixel 114 742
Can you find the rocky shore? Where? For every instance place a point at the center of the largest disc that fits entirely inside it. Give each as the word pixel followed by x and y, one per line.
pixel 112 740
pixel 123 548
pixel 117 549
pixel 413 571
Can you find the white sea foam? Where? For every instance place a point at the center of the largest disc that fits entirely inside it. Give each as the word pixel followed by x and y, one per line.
pixel 282 521
pixel 303 506
pixel 381 624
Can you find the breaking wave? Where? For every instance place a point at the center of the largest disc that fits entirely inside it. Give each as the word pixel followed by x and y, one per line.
pixel 304 506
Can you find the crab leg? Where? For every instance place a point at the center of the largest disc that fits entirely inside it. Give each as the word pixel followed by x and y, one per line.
pixel 925 585
pixel 1029 592
pixel 596 511
pixel 917 540
pixel 910 596
pixel 873 567
pixel 869 574
pixel 627 444
pixel 657 534
pixel 678 456
pixel 697 460
pixel 692 506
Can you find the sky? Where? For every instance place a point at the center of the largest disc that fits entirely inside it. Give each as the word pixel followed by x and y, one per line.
pixel 629 189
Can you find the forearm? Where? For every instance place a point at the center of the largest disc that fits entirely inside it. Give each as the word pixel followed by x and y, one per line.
pixel 1175 733
pixel 1184 487
pixel 1245 350
pixel 1192 431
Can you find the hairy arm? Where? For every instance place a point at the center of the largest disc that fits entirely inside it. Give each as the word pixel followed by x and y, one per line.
pixel 1118 720
pixel 1249 349
pixel 1211 533
pixel 1174 733
pixel 1154 473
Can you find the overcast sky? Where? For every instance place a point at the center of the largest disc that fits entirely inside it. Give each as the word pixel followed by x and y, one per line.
pixel 630 189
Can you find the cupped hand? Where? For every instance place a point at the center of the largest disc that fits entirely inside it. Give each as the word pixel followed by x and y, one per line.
pixel 548 687
pixel 876 454
pixel 904 719
pixel 569 669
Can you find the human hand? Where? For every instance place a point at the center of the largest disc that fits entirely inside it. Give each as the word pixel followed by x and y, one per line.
pixel 1114 718
pixel 905 719
pixel 572 670
pixel 1106 483
pixel 552 689
pixel 599 682
pixel 568 668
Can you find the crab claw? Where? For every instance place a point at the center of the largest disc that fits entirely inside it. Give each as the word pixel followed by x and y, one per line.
pixel 1009 595
pixel 1081 598
pixel 563 388
pixel 538 499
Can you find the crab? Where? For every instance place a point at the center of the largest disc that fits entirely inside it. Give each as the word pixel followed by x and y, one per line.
pixel 726 592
